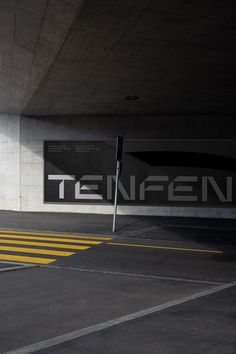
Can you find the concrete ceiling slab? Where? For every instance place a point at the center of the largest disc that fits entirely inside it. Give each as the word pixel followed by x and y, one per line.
pixel 74 57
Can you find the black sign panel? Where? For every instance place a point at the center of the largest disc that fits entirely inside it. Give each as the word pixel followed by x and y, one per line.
pixel 155 172
pixel 75 171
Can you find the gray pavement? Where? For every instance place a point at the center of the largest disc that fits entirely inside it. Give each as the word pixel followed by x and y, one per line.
pixel 205 325
pixel 216 230
pixel 148 263
pixel 41 303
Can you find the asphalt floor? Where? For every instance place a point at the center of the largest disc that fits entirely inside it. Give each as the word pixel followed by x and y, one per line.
pixel 158 285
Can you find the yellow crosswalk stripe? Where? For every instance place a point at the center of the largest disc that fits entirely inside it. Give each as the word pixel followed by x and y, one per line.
pixel 11 240
pixel 67 240
pixel 45 244
pixel 36 251
pixel 98 238
pixel 33 260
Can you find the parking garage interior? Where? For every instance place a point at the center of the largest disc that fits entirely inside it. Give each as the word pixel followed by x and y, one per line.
pixel 75 76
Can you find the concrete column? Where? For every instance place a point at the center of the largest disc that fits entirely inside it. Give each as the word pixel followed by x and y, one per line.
pixel 9 162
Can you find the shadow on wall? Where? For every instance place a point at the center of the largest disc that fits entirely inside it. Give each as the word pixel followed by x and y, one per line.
pixel 170 130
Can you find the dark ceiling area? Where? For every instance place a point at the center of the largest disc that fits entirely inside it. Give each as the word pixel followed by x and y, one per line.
pixel 94 57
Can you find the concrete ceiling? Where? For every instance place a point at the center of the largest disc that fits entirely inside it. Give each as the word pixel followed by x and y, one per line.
pixel 72 57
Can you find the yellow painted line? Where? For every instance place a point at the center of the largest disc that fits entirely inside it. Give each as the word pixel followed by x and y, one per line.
pixel 165 248
pixel 36 251
pixel 66 240
pixel 102 238
pixel 45 244
pixel 9 257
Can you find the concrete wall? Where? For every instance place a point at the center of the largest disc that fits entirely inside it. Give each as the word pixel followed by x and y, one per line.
pixel 21 155
pixel 9 162
pixel 35 130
